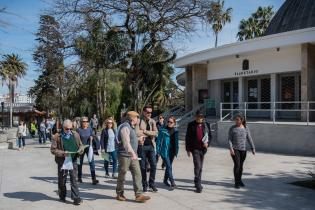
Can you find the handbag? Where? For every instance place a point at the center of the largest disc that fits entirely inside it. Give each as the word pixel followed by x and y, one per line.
pixel 90 154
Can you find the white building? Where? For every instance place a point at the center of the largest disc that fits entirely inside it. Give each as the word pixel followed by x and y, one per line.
pixel 278 67
pixel 18 98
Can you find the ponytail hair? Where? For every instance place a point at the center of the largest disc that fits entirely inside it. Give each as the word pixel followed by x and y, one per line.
pixel 242 119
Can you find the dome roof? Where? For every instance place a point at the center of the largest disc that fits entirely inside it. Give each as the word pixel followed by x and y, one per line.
pixel 293 15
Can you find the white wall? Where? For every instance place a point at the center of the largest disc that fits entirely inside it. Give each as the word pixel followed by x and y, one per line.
pixel 269 61
pixel 286 139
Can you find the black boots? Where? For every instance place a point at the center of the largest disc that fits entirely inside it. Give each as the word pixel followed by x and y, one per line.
pixel 94 180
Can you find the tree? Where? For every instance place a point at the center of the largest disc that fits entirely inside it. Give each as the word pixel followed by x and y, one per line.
pixel 256 24
pixel 147 25
pixel 49 57
pixel 11 69
pixel 100 52
pixel 217 16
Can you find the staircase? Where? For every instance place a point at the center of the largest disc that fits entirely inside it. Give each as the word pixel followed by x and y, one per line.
pixel 182 120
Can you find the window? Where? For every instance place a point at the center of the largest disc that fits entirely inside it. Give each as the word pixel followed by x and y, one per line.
pixel 252 91
pixel 265 93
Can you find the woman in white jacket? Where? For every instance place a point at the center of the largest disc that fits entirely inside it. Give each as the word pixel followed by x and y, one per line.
pixel 21 134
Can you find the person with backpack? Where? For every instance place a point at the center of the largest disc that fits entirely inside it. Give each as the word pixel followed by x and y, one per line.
pixel 89 139
pixel 198 138
pixel 109 146
pixel 239 134
pixel 167 147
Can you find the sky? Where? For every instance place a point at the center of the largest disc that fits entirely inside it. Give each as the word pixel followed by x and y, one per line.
pixel 17 36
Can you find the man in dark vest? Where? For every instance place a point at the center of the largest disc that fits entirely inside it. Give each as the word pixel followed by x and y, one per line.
pixel 65 145
pixel 128 158
pixel 198 138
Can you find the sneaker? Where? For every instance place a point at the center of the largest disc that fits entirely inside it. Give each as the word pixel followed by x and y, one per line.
pixel 166 183
pixel 237 186
pixel 142 198
pixel 80 180
pixel 107 176
pixel 115 176
pixel 121 198
pixel 145 189
pixel 77 202
pixel 153 188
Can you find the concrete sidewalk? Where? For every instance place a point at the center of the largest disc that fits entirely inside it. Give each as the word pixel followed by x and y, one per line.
pixel 29 181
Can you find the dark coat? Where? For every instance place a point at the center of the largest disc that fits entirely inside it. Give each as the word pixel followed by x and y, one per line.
pixel 191 135
pixel 104 139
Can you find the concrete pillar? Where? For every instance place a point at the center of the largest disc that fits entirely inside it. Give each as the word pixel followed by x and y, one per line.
pixel 307 77
pixel 273 91
pixel 188 89
pixel 199 81
pixel 241 90
pixel 215 93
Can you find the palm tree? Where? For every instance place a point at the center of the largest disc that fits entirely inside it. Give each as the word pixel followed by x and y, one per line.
pixel 256 24
pixel 12 68
pixel 217 17
pixel 247 29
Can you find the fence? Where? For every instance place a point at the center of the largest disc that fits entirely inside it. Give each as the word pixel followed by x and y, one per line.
pixel 295 111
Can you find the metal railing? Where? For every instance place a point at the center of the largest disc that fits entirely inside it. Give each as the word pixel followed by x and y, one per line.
pixel 270 109
pixel 189 115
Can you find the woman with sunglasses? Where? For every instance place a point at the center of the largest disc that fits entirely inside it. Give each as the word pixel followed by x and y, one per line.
pixel 87 136
pixel 109 146
pixel 238 136
pixel 167 148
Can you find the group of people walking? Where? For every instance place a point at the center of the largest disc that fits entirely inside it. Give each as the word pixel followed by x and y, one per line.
pixel 135 146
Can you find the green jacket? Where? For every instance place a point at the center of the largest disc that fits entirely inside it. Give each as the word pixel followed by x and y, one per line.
pixel 163 143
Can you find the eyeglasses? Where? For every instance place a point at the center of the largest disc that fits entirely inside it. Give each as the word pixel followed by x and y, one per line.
pixel 85 121
pixel 149 112
pixel 68 129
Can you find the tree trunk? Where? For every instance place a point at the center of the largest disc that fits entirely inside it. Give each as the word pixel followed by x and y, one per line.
pixel 216 40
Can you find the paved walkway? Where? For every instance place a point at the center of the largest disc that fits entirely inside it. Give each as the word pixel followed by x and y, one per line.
pixel 28 181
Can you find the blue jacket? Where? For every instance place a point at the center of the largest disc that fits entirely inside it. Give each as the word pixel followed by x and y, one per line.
pixel 163 143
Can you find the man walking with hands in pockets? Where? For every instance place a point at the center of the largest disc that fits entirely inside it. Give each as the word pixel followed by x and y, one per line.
pixel 128 158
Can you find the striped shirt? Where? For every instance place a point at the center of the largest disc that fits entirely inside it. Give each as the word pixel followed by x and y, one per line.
pixel 238 137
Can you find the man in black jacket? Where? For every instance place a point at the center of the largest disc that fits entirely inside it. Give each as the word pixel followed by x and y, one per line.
pixel 198 138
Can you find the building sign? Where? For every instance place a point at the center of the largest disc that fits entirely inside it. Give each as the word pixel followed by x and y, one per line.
pixel 246 73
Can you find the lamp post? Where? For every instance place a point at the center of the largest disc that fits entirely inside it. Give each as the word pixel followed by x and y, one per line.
pixel 2 114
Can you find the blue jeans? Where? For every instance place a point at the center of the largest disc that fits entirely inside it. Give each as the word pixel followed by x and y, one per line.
pixel 21 141
pixel 42 137
pixel 113 155
pixel 92 164
pixel 147 153
pixel 168 161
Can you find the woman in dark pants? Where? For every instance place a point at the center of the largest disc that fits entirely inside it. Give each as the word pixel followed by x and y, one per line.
pixel 238 136
pixel 167 148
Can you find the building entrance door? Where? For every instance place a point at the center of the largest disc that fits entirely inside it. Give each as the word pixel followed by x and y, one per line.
pixel 230 93
pixel 290 91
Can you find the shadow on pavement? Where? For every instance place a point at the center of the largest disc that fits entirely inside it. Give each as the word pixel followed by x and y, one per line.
pixel 29 196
